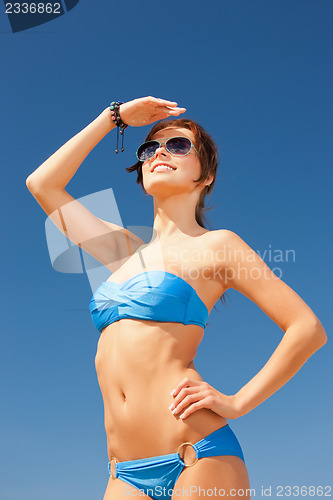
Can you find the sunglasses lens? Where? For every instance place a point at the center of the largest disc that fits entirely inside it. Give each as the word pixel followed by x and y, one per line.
pixel 175 145
pixel 147 150
pixel 179 145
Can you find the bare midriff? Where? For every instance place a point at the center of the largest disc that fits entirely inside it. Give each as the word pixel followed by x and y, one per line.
pixel 138 364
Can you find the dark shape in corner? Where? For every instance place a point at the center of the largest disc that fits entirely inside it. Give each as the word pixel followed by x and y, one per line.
pixel 20 20
pixel 71 3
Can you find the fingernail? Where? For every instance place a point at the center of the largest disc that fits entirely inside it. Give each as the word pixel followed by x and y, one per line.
pixel 171 407
pixel 182 415
pixel 172 392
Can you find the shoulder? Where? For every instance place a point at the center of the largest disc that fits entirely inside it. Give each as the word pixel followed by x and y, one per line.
pixel 229 249
pixel 220 237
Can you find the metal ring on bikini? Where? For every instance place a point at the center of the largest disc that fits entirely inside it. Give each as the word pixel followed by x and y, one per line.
pixel 196 458
pixel 115 461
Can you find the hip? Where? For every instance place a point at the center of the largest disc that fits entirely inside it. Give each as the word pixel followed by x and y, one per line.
pixel 138 422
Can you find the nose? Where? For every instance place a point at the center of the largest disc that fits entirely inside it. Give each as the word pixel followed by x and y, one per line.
pixel 161 150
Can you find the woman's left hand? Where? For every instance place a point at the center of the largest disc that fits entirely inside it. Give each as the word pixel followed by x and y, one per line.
pixel 196 394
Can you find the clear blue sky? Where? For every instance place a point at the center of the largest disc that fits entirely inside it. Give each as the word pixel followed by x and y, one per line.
pixel 258 76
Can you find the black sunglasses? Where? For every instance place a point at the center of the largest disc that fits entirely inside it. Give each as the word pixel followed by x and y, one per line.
pixel 177 146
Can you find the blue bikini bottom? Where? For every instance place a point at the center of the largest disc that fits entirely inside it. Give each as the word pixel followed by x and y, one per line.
pixel 157 476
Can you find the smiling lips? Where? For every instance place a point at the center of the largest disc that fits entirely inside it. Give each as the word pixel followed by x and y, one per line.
pixel 162 167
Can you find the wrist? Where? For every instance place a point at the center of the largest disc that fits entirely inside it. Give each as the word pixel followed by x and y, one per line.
pixel 239 405
pixel 118 123
pixel 107 117
pixel 115 114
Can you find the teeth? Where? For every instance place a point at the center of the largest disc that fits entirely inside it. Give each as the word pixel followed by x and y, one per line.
pixel 162 167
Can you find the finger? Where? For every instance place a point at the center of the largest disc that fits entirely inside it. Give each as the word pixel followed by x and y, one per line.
pixel 191 409
pixel 160 116
pixel 156 101
pixel 182 394
pixel 177 111
pixel 191 398
pixel 165 114
pixel 186 382
pixel 183 383
pixel 164 102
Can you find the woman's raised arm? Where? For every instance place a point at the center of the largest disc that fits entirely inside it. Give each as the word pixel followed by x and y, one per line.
pixel 104 240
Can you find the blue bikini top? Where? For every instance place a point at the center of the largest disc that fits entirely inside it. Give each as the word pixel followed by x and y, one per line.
pixel 152 295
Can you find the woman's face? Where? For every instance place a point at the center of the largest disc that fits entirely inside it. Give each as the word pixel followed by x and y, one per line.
pixel 186 169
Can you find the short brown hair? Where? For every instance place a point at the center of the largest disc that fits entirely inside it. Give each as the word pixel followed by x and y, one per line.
pixel 208 157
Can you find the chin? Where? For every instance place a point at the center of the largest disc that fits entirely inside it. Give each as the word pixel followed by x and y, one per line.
pixel 163 189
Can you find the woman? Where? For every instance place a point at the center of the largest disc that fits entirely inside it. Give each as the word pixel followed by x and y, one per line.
pixel 167 429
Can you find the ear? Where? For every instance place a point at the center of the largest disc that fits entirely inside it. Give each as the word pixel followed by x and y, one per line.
pixel 209 180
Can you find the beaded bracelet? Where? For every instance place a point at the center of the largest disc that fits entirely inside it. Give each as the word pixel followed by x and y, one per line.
pixel 115 115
